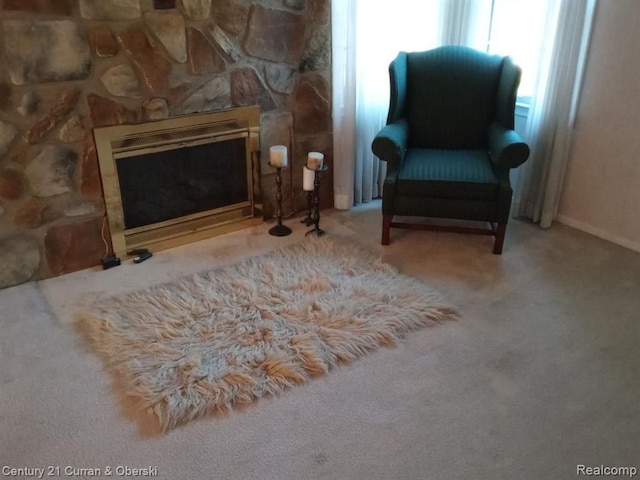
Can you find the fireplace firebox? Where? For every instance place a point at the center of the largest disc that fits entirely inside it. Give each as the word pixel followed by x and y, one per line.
pixel 182 179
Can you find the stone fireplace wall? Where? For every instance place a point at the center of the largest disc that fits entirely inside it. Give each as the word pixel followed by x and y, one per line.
pixel 70 65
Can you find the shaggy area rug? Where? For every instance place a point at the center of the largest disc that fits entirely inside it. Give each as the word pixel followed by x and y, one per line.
pixel 239 332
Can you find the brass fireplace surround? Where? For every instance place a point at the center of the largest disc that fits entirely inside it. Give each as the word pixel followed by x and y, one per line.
pixel 123 141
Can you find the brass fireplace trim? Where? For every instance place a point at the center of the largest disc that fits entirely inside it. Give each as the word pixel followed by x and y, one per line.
pixel 122 141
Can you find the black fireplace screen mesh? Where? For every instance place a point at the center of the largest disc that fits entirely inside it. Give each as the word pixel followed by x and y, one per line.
pixel 166 185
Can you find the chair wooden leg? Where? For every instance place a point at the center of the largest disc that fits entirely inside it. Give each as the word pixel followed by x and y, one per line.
pixel 499 240
pixel 386 227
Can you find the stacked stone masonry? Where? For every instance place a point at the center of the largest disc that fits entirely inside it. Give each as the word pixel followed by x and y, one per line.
pixel 68 66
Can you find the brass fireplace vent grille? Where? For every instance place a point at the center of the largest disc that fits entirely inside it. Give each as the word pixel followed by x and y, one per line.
pixel 173 136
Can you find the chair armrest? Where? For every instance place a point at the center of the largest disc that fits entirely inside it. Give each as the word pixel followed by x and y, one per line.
pixel 390 144
pixel 506 147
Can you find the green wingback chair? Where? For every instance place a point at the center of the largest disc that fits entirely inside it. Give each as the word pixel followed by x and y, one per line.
pixel 449 141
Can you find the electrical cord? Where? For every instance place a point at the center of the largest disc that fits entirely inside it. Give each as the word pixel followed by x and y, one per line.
pixel 104 240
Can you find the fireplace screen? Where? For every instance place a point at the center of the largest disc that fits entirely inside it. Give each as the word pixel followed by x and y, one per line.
pixel 181 179
pixel 160 186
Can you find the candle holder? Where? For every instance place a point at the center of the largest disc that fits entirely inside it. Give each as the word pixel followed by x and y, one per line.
pixel 315 214
pixel 279 230
pixel 308 220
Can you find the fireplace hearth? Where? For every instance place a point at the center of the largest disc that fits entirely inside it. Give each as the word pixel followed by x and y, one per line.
pixel 180 180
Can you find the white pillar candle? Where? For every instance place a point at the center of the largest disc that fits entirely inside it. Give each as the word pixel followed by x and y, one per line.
pixel 278 156
pixel 308 176
pixel 314 160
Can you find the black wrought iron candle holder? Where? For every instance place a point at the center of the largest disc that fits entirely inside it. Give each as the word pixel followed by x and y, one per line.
pixel 315 214
pixel 279 230
pixel 308 220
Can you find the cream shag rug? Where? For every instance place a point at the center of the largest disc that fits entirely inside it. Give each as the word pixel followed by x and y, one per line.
pixel 237 333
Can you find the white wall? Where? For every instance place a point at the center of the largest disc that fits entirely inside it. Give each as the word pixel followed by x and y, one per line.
pixel 602 188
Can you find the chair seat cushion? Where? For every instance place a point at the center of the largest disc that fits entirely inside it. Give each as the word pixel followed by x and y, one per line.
pixel 454 174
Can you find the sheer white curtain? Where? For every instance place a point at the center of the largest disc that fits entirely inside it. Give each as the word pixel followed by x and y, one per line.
pixel 466 22
pixel 553 109
pixel 367 35
pixel 548 38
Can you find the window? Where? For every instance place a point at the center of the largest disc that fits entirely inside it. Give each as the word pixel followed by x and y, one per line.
pixel 518 29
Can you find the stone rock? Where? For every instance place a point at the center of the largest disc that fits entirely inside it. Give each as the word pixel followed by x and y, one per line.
pixel 107 112
pixel 53 7
pixel 11 185
pixel 169 29
pixel 155 109
pixel 51 172
pixel 178 94
pixel 21 152
pixel 319 12
pixel 72 130
pixel 20 258
pixel 275 129
pixel 312 104
pixel 186 87
pixel 275 35
pixel 121 81
pixel 151 62
pixel 164 4
pixel 196 9
pixel 1 211
pixel 247 88
pixel 73 247
pixel 230 16
pixel 295 4
pixel 5 95
pixel 280 78
pixel 67 101
pixel 80 209
pixel 90 183
pixel 29 214
pixel 46 51
pixel 8 132
pixel 213 95
pixel 28 104
pixel 227 47
pixel 318 54
pixel 103 42
pixel 203 57
pixel 110 9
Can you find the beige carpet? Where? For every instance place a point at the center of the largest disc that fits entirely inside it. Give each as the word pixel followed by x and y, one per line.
pixel 538 375
pixel 216 339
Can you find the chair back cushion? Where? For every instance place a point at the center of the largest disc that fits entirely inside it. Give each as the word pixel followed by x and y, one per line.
pixel 451 97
